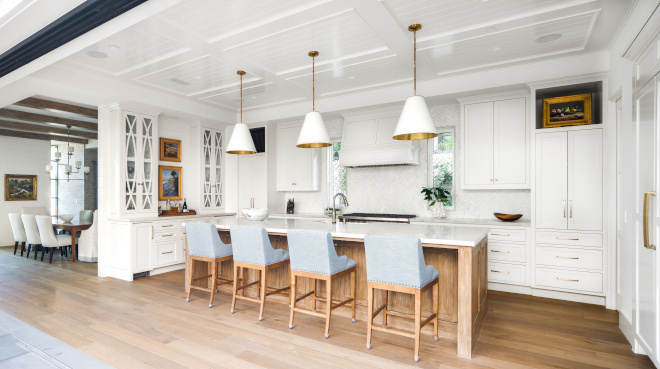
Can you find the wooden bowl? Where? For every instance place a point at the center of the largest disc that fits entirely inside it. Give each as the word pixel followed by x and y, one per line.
pixel 507 217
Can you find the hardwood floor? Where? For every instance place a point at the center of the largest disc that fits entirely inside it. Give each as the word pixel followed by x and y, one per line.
pixel 148 324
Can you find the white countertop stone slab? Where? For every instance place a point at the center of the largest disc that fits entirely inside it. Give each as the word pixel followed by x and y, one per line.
pixel 521 223
pixel 182 218
pixel 428 233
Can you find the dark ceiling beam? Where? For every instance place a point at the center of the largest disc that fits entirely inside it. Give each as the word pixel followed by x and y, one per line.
pixel 39 136
pixel 25 127
pixel 39 118
pixel 80 20
pixel 33 102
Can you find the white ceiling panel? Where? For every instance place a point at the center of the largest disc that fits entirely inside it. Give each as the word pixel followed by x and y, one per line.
pixel 138 45
pixel 255 96
pixel 449 16
pixel 338 36
pixel 198 76
pixel 515 45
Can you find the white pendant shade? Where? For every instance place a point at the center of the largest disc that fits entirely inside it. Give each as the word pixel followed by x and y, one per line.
pixel 415 122
pixel 240 141
pixel 313 133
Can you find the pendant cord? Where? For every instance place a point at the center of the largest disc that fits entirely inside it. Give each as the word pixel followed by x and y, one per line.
pixel 241 98
pixel 313 86
pixel 415 61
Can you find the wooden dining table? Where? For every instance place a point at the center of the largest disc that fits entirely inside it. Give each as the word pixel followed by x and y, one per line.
pixel 73 227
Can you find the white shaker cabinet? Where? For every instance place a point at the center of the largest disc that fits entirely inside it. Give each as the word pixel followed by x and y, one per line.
pixel 569 180
pixel 495 142
pixel 297 169
pixel 252 190
pixel 141 236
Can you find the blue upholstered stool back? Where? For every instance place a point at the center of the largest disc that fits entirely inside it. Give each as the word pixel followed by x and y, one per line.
pixel 314 252
pixel 398 261
pixel 204 241
pixel 252 246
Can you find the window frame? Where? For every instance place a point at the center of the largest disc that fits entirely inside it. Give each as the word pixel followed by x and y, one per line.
pixel 329 173
pixel 429 168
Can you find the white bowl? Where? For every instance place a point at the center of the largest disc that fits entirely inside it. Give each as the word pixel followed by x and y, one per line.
pixel 66 218
pixel 255 214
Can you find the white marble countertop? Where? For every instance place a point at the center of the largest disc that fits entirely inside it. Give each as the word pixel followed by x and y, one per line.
pixel 523 223
pixel 171 218
pixel 428 233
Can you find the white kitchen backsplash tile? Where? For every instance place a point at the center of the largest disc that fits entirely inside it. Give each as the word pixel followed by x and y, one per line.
pixel 396 189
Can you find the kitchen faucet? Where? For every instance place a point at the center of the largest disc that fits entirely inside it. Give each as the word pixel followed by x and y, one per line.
pixel 334 209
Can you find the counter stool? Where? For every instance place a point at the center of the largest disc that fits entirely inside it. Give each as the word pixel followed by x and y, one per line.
pixel 313 256
pixel 204 244
pixel 397 264
pixel 252 250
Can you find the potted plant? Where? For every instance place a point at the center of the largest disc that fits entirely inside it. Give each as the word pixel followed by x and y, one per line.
pixel 437 197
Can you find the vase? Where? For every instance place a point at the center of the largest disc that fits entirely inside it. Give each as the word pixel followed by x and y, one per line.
pixel 439 210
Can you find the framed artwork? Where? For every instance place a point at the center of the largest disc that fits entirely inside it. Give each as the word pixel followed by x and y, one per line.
pixel 169 179
pixel 562 111
pixel 170 150
pixel 20 187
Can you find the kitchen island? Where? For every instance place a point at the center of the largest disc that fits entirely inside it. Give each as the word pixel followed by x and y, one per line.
pixel 459 254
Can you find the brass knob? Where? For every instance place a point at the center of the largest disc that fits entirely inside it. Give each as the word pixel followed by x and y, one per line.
pixel 495 179
pixel 491 179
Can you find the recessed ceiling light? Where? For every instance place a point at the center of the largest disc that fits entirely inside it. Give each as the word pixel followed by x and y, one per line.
pixel 490 29
pixel 547 38
pixel 113 47
pixel 97 54
pixel 496 48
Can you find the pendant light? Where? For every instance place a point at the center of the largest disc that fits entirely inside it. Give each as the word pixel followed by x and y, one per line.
pixel 241 142
pixel 313 133
pixel 415 122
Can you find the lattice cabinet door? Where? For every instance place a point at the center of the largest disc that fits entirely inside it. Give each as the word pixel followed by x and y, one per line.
pixel 207 156
pixel 147 195
pixel 130 122
pixel 217 169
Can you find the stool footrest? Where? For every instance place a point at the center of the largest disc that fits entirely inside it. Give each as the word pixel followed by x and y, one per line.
pixel 304 296
pixel 310 312
pixel 395 331
pixel 247 285
pixel 341 304
pixel 378 311
pixel 427 321
pixel 400 315
pixel 274 291
pixel 204 277
pixel 247 298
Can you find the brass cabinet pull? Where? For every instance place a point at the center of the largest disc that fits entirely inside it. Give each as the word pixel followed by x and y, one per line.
pixel 503 252
pixel 564 208
pixel 568 280
pixel 496 179
pixel 571 216
pixel 168 252
pixel 566 257
pixel 500 234
pixel 166 226
pixel 168 235
pixel 568 239
pixel 647 198
pixel 491 179
pixel 498 271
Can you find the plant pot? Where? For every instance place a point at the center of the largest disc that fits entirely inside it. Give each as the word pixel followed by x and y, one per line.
pixel 438 210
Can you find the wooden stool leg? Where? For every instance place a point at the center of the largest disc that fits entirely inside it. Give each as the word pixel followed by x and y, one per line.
pixel 214 281
pixel 384 294
pixel 328 306
pixel 233 297
pixel 418 322
pixel 353 294
pixel 435 310
pixel 259 287
pixel 191 273
pixel 292 298
pixel 264 279
pixel 370 313
pixel 314 294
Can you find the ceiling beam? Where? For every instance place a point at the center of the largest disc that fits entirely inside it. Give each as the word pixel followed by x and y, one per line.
pixel 33 102
pixel 25 127
pixel 39 136
pixel 39 118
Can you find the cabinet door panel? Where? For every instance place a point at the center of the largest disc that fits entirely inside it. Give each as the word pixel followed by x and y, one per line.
pixel 302 164
pixel 141 244
pixel 148 163
pixel 478 144
pixel 286 146
pixel 510 155
pixel 585 180
pixel 357 134
pixel 551 181
pixel 385 131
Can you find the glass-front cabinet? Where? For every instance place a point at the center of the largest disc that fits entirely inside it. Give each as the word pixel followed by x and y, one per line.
pixel 212 151
pixel 139 163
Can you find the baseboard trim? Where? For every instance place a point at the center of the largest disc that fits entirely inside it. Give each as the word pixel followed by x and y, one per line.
pixel 625 325
pixel 526 290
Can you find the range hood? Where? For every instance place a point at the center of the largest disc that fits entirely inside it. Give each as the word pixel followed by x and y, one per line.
pixel 367 141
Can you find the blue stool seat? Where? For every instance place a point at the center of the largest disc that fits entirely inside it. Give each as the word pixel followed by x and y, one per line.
pixel 397 264
pixel 313 255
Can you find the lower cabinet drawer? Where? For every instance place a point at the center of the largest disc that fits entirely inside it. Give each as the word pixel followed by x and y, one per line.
pixel 166 252
pixel 173 234
pixel 506 273
pixel 564 238
pixel 507 235
pixel 569 258
pixel 506 252
pixel 569 280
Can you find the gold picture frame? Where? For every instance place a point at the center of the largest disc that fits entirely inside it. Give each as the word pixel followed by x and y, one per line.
pixel 170 150
pixel 574 110
pixel 170 183
pixel 20 187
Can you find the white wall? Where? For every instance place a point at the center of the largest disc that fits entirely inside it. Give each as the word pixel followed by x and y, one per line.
pixel 396 189
pixel 22 156
pixel 178 130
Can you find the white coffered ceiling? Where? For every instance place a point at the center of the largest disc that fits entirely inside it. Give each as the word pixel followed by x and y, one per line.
pixel 194 48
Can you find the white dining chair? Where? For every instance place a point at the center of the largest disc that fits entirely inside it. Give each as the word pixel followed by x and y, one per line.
pixel 32 233
pixel 88 248
pixel 86 216
pixel 18 230
pixel 48 237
